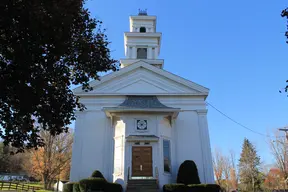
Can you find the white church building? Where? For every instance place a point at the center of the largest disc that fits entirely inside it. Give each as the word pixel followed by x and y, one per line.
pixel 142 121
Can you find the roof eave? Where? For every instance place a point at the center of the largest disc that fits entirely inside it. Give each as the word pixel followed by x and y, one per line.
pixel 112 111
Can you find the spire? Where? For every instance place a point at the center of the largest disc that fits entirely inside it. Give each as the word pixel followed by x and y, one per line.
pixel 142 12
pixel 142 42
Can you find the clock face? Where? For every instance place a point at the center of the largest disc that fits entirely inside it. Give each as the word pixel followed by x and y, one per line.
pixel 141 124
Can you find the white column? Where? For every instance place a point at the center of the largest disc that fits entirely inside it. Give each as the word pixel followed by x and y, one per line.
pixel 134 52
pixel 149 53
pixel 127 51
pixel 205 146
pixel 76 171
pixel 156 52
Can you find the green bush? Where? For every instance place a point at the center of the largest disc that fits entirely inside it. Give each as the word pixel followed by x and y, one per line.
pixel 68 187
pixel 92 184
pixel 76 187
pixel 204 188
pixel 97 174
pixel 188 173
pixel 115 187
pixel 176 187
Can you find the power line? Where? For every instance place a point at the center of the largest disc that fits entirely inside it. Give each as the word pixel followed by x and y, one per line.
pixel 241 125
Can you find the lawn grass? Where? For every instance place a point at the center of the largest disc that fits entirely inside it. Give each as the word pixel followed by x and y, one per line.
pixel 36 184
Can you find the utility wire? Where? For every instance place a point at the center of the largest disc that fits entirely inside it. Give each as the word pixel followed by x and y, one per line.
pixel 241 125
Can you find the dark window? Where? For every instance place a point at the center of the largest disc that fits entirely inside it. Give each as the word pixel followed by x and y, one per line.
pixel 142 29
pixel 142 53
pixel 166 156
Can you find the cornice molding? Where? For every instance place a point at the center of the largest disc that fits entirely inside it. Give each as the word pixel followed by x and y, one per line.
pixel 202 111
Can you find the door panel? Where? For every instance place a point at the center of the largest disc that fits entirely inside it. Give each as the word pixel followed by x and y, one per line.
pixel 142 161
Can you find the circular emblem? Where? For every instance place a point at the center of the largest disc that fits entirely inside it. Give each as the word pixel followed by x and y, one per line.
pixel 141 124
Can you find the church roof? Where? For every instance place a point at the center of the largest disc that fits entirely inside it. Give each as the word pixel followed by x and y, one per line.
pixel 156 81
pixel 142 104
pixel 132 101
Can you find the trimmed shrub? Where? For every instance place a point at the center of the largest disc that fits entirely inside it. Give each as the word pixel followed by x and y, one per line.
pixel 115 187
pixel 97 174
pixel 188 173
pixel 76 187
pixel 92 184
pixel 176 187
pixel 68 187
pixel 204 188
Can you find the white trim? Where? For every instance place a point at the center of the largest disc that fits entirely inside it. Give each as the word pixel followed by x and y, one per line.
pixel 142 139
pixel 203 90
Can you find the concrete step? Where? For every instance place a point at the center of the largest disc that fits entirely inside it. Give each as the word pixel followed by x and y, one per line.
pixel 142 185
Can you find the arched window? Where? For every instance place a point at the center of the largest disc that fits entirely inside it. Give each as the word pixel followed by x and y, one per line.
pixel 142 29
pixel 142 53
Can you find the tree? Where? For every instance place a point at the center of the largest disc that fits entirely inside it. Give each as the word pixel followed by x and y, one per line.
pixel 233 171
pixel 249 165
pixel 274 179
pixel 218 166
pixel 52 161
pixel 285 14
pixel 225 170
pixel 45 47
pixel 279 151
pixel 4 159
pixel 11 163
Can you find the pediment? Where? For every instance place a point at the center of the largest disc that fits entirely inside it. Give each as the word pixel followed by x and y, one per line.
pixel 143 79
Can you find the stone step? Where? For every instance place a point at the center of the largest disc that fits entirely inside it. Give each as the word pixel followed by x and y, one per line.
pixel 142 185
pixel 142 190
pixel 132 181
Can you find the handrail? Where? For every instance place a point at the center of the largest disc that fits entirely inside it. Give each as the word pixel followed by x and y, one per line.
pixel 157 175
pixel 128 174
pixel 128 177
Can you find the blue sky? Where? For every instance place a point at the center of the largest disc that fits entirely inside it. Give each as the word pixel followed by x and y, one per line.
pixel 235 48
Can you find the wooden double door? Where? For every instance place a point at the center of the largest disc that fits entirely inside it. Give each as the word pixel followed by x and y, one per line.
pixel 142 161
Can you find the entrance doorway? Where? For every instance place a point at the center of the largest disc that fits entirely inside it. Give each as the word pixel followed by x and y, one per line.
pixel 142 161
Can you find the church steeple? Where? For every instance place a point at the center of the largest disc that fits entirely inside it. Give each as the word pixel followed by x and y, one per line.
pixel 142 42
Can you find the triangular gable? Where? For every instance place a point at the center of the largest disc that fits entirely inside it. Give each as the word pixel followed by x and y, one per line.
pixel 142 78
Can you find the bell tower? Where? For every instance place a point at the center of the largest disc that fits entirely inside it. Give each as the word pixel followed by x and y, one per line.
pixel 142 42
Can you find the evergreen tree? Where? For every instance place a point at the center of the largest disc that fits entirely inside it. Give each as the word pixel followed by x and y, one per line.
pixel 249 165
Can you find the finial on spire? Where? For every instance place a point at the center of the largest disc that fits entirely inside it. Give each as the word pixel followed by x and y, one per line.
pixel 142 12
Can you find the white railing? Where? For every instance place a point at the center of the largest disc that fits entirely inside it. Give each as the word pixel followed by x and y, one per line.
pixel 128 174
pixel 157 175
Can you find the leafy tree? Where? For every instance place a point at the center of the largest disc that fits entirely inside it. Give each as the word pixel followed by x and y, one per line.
pixel 11 163
pixel 53 160
pixel 225 170
pixel 45 47
pixel 4 158
pixel 274 179
pixel 285 14
pixel 249 165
